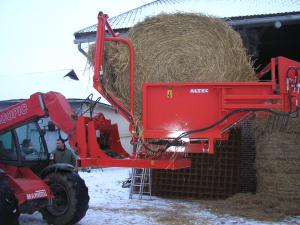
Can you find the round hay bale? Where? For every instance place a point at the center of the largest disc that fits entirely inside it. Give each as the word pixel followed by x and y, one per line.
pixel 177 48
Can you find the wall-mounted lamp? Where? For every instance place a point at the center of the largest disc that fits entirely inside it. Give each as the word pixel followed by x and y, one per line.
pixel 277 24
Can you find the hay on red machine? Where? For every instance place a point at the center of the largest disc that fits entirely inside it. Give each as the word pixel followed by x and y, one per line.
pixel 197 48
pixel 176 48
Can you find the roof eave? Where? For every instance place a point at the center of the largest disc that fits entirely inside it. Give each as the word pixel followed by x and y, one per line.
pixel 265 21
pixel 81 38
pixel 246 22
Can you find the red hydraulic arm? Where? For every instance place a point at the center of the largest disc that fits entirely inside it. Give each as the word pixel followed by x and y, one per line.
pixel 81 131
pixel 98 79
pixel 39 105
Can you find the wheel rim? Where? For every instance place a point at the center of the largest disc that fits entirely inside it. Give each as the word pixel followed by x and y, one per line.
pixel 60 202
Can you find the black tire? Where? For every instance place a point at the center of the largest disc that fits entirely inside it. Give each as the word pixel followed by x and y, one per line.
pixel 70 201
pixel 9 212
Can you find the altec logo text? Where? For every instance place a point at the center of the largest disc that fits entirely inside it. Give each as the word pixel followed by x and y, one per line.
pixel 198 90
pixel 13 113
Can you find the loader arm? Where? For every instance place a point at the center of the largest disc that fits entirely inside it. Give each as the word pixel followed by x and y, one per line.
pixel 39 105
pixel 93 150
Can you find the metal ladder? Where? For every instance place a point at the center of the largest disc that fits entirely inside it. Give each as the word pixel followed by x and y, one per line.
pixel 140 183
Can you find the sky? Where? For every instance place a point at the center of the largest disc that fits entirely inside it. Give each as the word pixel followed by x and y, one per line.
pixel 37 36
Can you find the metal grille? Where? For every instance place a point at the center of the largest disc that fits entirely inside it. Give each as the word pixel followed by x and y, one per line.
pixel 210 177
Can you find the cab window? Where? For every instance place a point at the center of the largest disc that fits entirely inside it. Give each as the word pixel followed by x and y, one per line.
pixel 7 147
pixel 30 142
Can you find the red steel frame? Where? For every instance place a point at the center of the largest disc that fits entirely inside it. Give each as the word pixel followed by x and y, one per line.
pixel 98 69
pixel 184 109
pixel 91 154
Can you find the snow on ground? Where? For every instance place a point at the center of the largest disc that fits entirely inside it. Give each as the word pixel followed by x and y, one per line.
pixel 110 204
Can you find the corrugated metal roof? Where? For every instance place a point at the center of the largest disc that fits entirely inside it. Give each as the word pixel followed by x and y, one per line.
pixel 218 8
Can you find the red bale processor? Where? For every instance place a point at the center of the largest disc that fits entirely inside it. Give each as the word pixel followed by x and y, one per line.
pixel 194 116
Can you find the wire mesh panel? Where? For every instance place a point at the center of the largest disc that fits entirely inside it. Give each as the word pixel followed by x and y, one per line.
pixel 210 176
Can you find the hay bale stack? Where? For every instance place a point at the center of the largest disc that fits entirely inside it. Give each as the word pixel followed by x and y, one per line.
pixel 177 48
pixel 278 160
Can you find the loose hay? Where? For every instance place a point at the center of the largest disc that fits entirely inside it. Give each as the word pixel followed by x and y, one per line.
pixel 260 206
pixel 176 48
